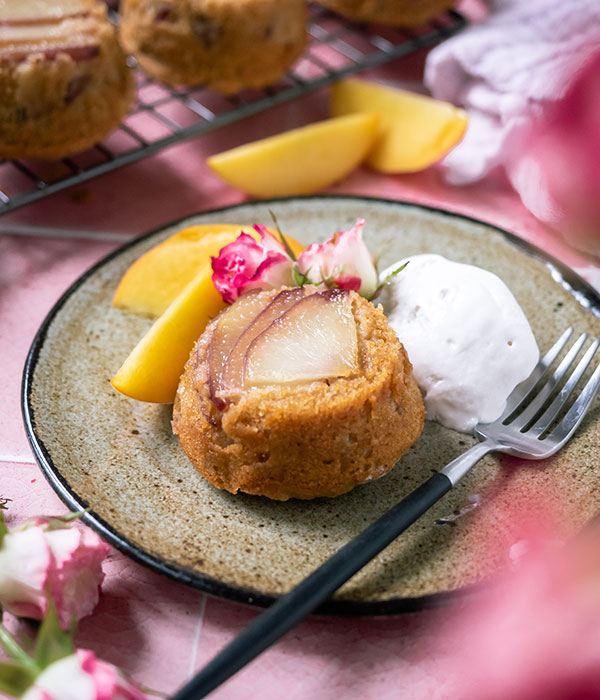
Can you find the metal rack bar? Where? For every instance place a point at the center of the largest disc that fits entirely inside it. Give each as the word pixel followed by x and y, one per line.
pixel 328 32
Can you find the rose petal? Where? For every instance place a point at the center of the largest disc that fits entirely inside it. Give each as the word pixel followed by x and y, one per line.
pixel 343 257
pixel 109 682
pixel 25 561
pixel 351 283
pixel 76 575
pixel 275 271
pixel 82 676
pixel 63 680
pixel 247 264
pixel 269 242
pixel 37 694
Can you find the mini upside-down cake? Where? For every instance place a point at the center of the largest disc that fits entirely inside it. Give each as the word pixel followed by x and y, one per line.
pixel 297 393
pixel 226 45
pixel 64 81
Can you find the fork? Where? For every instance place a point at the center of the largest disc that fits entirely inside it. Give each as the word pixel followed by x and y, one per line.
pixel 525 429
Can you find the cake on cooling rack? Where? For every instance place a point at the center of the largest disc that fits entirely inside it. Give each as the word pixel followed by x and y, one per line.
pixel 226 46
pixel 64 82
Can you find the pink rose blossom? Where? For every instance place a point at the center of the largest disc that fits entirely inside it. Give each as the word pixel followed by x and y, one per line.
pixel 535 633
pixel 81 676
pixel 555 161
pixel 248 264
pixel 45 557
pixel 342 261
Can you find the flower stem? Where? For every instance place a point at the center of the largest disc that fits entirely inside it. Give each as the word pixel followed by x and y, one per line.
pixel 388 279
pixel 14 649
pixel 283 239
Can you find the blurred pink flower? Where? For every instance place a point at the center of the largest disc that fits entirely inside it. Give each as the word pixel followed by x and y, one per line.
pixel 536 634
pixel 555 162
pixel 343 261
pixel 48 557
pixel 248 264
pixel 81 676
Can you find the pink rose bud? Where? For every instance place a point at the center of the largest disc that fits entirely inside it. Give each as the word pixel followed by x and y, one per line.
pixel 248 264
pixel 343 261
pixel 45 558
pixel 81 676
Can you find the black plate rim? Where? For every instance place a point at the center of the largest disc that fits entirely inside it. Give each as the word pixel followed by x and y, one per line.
pixel 579 288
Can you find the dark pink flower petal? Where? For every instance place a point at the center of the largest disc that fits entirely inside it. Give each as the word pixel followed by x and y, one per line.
pixel 348 282
pixel 247 264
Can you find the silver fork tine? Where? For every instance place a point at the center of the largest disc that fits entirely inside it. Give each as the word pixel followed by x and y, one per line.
pixel 577 412
pixel 542 395
pixel 553 410
pixel 522 391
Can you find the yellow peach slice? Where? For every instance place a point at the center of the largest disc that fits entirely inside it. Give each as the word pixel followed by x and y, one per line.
pixel 300 161
pixel 157 277
pixel 198 232
pixel 152 370
pixel 415 130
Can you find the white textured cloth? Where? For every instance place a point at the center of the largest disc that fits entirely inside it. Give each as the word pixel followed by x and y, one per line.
pixel 502 70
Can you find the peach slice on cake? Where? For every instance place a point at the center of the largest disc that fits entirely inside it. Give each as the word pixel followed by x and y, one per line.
pixel 314 339
pixel 230 325
pixel 30 12
pixel 300 335
pixel 232 374
pixel 329 399
pixel 48 28
pixel 415 131
pixel 64 81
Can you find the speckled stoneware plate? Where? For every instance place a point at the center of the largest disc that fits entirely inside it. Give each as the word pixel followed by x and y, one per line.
pixel 103 451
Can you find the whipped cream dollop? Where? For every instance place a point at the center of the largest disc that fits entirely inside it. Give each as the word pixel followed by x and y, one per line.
pixel 466 336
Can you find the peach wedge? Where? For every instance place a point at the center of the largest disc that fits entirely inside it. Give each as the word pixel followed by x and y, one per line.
pixel 300 161
pixel 415 130
pixel 152 370
pixel 158 276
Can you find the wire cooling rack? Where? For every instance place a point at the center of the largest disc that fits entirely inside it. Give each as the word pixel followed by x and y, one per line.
pixel 162 117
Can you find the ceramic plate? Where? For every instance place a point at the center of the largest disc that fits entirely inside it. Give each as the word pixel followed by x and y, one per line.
pixel 116 456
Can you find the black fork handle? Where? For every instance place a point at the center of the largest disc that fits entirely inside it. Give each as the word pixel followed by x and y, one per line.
pixel 294 606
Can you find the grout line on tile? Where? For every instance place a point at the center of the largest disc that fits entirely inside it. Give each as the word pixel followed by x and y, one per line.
pixel 197 635
pixel 50 232
pixel 17 459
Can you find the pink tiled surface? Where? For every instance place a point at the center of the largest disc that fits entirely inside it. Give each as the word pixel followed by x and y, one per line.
pixel 156 629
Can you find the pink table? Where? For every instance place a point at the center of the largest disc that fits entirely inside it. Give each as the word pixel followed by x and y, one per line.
pixel 158 630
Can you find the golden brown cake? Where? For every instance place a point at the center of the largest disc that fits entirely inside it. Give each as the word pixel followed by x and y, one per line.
pixel 226 45
pixel 304 438
pixel 64 82
pixel 399 13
